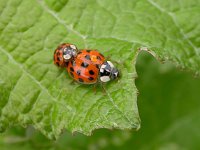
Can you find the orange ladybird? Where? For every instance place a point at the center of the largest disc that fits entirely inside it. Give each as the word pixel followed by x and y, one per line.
pixel 64 53
pixel 85 67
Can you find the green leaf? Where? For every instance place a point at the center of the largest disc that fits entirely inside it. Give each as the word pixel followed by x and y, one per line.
pixel 33 91
pixel 176 100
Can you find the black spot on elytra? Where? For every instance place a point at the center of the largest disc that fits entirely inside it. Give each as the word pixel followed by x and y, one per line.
pixel 99 58
pixel 71 69
pixel 87 57
pixel 78 72
pixel 97 66
pixel 84 64
pixel 88 51
pixel 58 59
pixel 71 73
pixel 80 80
pixel 66 63
pixel 90 78
pixel 91 72
pixel 58 53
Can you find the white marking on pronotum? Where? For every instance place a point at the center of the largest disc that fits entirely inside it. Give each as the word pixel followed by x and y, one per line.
pixel 67 56
pixel 107 70
pixel 116 74
pixel 111 65
pixel 101 70
pixel 103 66
pixel 105 78
pixel 73 46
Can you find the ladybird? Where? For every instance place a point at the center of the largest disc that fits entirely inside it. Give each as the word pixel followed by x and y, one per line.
pixel 64 53
pixel 90 66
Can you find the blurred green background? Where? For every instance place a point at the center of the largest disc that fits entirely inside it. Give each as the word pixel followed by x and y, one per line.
pixel 169 106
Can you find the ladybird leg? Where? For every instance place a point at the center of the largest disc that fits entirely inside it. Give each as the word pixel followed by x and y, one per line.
pixel 73 82
pixel 95 88
pixel 108 58
pixel 114 61
pixel 103 88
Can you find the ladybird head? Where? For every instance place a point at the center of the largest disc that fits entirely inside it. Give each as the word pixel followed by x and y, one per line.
pixel 108 72
pixel 69 51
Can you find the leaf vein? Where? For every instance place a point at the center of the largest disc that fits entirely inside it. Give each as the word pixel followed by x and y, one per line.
pixel 172 16
pixel 41 3
pixel 32 77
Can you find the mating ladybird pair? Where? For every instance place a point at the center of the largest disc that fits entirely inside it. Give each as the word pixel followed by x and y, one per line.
pixel 84 66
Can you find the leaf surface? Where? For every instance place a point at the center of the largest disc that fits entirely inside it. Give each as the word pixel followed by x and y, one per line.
pixel 33 91
pixel 176 100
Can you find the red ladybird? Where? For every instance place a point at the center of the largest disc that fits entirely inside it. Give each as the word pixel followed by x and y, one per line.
pixel 89 67
pixel 64 53
pixel 85 67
